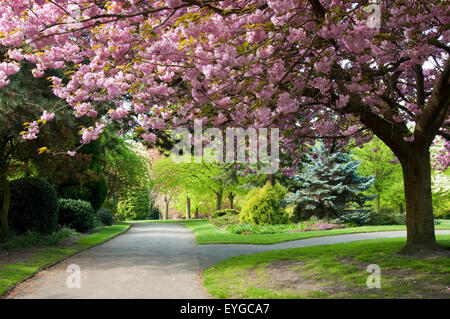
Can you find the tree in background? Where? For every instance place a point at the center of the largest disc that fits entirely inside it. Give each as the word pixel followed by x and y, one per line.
pixel 327 184
pixel 378 161
pixel 123 166
pixel 26 97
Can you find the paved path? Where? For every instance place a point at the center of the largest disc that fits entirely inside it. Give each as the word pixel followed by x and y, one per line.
pixel 154 261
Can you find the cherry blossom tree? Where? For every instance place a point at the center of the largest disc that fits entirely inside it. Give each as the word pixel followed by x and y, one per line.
pixel 335 70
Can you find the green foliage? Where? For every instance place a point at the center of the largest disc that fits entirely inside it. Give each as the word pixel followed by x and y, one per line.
pixel 441 204
pixel 224 212
pixel 94 192
pixel 384 218
pixel 105 216
pixel 77 214
pixel 327 184
pixel 30 239
pixel 363 218
pixel 34 206
pixel 135 206
pixel 98 188
pixel 109 204
pixel 379 161
pixel 78 191
pixel 154 211
pixel 247 228
pixel 225 220
pixel 263 206
pixel 123 167
pixel 355 218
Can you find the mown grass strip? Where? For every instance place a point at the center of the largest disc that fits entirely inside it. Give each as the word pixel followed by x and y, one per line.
pixel 332 271
pixel 205 233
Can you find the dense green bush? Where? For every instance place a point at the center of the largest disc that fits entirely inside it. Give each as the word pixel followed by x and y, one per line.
pixel 93 192
pixel 34 206
pixel 355 218
pixel 387 219
pixel 78 191
pixel 99 189
pixel 442 214
pixel 263 206
pixel 361 218
pixel 77 214
pixel 154 212
pixel 30 239
pixel 223 212
pixel 225 220
pixel 135 206
pixel 105 216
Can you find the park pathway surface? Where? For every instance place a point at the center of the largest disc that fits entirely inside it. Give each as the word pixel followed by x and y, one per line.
pixel 154 261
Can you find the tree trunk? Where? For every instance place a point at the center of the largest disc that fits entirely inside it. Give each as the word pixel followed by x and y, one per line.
pixel 166 208
pixel 401 208
pixel 219 199
pixel 419 208
pixel 377 203
pixel 231 198
pixel 272 179
pixel 4 186
pixel 188 208
pixel 196 212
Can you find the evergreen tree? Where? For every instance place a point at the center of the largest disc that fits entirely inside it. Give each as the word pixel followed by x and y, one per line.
pixel 327 184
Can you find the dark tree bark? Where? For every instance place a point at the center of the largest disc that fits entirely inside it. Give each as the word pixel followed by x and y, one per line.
pixel 166 208
pixel 419 207
pixel 231 199
pixel 196 212
pixel 272 179
pixel 4 186
pixel 219 195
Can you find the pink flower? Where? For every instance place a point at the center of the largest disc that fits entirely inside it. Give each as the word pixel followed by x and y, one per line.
pixel 408 139
pixel 47 116
pixel 149 137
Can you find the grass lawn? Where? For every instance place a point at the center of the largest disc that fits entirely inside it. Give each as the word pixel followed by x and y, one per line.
pixel 205 233
pixel 331 271
pixel 22 268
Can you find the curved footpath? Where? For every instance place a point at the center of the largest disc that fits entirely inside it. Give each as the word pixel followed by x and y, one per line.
pixel 154 261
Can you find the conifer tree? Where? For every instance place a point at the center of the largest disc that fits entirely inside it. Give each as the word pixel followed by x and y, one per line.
pixel 327 184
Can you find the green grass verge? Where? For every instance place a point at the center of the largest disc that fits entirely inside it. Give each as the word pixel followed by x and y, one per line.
pixel 13 273
pixel 205 233
pixel 331 271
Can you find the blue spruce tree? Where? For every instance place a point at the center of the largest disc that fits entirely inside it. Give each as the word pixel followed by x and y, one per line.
pixel 327 184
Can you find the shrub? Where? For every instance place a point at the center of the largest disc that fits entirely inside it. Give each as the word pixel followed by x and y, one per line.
pixel 225 220
pixel 154 211
pixel 93 192
pixel 105 216
pixel 387 219
pixel 224 212
pixel 135 206
pixel 77 214
pixel 355 218
pixel 99 189
pixel 109 204
pixel 34 206
pixel 263 206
